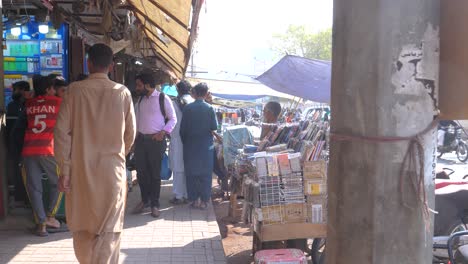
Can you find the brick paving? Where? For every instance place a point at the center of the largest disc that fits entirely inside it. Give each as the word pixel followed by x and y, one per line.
pixel 180 235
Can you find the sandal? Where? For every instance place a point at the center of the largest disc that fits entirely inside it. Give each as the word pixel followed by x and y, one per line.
pixel 39 231
pixel 63 228
pixel 203 206
pixel 194 205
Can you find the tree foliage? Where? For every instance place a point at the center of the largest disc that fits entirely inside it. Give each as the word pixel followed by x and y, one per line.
pixel 298 41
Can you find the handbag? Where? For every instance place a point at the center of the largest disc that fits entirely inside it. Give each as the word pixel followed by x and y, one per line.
pixel 166 172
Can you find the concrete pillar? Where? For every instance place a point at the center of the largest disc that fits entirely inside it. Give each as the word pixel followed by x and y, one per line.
pixel 385 83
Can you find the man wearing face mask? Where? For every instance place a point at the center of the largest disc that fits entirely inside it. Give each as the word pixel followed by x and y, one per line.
pixel 156 119
pixel 21 92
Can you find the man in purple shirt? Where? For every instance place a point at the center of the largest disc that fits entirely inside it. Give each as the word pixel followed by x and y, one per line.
pixel 154 122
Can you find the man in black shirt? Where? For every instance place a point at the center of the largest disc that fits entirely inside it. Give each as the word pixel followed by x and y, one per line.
pixel 21 92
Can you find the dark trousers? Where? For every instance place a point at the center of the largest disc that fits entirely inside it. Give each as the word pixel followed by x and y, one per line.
pixel 148 158
pixel 221 172
pixel 199 186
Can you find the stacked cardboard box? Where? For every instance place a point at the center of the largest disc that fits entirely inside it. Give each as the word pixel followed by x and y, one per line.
pixel 315 188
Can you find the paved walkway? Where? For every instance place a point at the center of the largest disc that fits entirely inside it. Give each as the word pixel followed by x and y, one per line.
pixel 180 235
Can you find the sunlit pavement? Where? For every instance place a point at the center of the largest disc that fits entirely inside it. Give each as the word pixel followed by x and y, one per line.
pixel 180 235
pixel 449 160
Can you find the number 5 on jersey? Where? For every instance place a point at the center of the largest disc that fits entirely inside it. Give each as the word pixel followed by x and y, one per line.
pixel 39 124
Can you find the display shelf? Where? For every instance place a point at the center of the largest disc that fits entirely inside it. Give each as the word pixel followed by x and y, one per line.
pixel 23 57
pixel 46 54
pixel 51 68
pixel 20 73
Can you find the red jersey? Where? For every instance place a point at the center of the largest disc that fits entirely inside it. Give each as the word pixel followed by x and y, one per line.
pixel 42 114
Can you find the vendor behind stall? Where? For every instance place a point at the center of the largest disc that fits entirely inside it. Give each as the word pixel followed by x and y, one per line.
pixel 271 113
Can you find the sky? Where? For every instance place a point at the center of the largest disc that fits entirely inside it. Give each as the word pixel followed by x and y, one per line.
pixel 235 35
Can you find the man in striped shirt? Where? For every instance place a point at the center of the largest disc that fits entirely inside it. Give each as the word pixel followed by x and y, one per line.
pixel 38 152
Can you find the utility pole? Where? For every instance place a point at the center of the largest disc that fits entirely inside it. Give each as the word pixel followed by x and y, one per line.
pixel 384 84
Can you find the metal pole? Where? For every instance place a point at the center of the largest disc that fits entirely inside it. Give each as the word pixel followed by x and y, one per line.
pixel 3 161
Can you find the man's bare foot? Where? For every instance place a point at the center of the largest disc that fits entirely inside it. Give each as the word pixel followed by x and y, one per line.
pixel 52 222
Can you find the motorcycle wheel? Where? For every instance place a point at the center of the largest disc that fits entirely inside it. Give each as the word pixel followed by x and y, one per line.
pixel 462 152
pixel 455 226
pixel 317 251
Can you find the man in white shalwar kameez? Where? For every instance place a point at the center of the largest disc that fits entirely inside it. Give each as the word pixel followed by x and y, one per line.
pixel 176 154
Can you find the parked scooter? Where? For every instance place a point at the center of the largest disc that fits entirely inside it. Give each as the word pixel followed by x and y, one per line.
pixel 451 249
pixel 453 142
pixel 451 219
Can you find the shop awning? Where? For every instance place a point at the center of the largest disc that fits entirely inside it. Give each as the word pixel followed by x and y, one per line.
pixel 170 26
pixel 233 103
pixel 167 25
pixel 306 78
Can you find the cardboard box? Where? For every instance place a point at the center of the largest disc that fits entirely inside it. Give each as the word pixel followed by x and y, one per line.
pixel 271 215
pixel 317 209
pixel 315 187
pixel 315 169
pixel 294 213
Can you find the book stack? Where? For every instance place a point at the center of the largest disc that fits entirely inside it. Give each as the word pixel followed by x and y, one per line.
pixel 269 184
pixel 292 190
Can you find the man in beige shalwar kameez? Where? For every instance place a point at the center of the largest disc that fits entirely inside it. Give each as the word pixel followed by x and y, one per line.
pixel 94 132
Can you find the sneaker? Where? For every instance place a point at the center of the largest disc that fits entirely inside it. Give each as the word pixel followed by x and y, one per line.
pixel 155 212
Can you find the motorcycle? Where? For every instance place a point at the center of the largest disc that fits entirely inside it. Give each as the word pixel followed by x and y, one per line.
pixel 450 242
pixel 453 142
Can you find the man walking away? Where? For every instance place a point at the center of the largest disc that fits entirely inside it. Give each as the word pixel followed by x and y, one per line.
pixel 155 119
pixel 176 149
pixel 196 130
pixel 95 130
pixel 38 152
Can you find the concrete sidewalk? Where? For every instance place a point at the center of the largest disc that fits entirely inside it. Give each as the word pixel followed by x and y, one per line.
pixel 180 235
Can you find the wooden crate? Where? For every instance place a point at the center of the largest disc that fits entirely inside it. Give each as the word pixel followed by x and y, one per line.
pixel 290 231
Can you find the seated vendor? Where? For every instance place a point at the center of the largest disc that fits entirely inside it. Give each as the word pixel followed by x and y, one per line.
pixel 271 113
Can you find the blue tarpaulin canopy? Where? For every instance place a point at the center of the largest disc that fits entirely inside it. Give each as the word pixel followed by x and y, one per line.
pixel 237 90
pixel 306 78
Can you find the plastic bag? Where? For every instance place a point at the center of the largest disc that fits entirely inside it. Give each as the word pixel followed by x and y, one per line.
pixel 166 172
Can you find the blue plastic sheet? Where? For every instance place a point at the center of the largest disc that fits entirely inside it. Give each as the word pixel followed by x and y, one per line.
pixel 234 138
pixel 306 78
